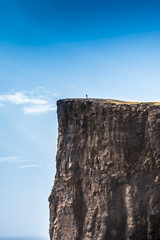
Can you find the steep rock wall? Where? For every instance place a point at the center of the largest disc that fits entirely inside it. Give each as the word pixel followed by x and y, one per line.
pixel 107 184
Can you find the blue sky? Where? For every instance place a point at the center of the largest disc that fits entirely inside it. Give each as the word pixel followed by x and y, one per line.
pixel 59 49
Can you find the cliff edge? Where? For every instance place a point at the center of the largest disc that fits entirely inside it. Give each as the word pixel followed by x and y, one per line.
pixel 107 183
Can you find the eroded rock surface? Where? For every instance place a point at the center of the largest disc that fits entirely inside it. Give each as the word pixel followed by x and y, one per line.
pixel 107 184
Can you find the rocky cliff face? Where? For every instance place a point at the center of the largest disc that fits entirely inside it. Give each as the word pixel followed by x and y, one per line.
pixel 107 184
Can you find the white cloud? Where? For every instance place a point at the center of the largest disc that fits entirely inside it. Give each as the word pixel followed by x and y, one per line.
pixel 18 160
pixel 21 98
pixel 13 159
pixel 9 159
pixel 39 109
pixel 35 102
pixel 30 166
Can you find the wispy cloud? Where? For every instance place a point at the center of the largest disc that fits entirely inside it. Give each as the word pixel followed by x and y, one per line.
pixel 30 166
pixel 19 162
pixel 9 159
pixel 21 98
pixel 14 159
pixel 34 102
pixel 39 109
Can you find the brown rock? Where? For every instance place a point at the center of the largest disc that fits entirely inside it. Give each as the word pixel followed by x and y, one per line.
pixel 107 184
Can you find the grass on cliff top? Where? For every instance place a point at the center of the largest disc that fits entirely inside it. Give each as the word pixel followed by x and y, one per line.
pixel 100 100
pixel 128 102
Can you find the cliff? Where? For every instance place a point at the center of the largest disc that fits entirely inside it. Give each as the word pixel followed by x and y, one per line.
pixel 107 183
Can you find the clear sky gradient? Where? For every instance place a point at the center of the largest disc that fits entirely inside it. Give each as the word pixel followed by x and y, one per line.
pixel 59 49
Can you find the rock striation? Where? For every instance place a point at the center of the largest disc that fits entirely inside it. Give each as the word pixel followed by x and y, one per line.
pixel 107 183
